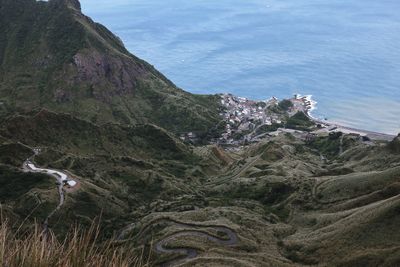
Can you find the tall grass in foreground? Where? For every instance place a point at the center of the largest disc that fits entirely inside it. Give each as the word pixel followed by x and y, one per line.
pixel 79 249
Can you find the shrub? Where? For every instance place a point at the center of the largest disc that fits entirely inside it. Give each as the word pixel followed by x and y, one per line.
pixel 285 104
pixel 299 121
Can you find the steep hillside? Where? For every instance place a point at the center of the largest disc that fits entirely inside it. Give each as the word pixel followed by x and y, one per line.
pixel 124 172
pixel 53 56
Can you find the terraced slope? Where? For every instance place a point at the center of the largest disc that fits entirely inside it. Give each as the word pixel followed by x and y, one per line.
pixel 288 206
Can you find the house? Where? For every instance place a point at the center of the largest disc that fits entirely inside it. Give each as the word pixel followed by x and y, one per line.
pixel 69 183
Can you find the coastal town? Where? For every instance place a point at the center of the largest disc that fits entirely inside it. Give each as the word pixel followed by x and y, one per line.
pixel 249 121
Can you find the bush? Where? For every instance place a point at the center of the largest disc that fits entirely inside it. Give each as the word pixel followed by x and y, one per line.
pixel 285 104
pixel 299 121
pixel 14 184
pixel 268 128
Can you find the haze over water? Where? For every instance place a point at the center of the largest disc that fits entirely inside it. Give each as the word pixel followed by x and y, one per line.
pixel 346 53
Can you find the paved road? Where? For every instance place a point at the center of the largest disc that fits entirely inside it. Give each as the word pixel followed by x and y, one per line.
pixel 61 178
pixel 191 253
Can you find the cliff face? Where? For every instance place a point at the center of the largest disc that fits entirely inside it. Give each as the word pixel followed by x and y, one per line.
pixel 53 56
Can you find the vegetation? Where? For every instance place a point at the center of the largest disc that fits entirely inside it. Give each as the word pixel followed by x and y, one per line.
pixel 269 128
pixel 14 154
pixel 329 146
pixel 299 121
pixel 54 57
pixel 141 174
pixel 394 146
pixel 14 183
pixel 285 104
pixel 81 247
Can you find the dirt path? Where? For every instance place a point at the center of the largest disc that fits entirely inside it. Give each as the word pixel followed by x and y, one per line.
pixel 191 253
pixel 341 145
pixel 235 175
pixel 61 202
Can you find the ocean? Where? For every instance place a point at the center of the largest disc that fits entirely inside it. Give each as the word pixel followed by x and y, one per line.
pixel 345 53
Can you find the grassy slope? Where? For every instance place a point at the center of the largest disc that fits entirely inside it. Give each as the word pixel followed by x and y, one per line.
pixel 275 198
pixel 122 169
pixel 279 195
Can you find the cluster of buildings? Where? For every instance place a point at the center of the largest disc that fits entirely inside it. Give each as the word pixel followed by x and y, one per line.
pixel 301 103
pixel 244 116
pixel 248 121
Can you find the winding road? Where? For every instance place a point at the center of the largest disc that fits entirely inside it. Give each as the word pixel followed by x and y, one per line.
pixel 191 253
pixel 62 180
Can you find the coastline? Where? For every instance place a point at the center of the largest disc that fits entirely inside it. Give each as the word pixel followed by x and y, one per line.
pixel 245 116
pixel 334 127
pixel 329 126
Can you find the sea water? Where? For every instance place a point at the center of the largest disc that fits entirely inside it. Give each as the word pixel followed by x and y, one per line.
pixel 345 53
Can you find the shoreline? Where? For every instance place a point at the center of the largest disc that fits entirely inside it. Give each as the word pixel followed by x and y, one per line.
pixel 244 116
pixel 335 127
pixel 330 126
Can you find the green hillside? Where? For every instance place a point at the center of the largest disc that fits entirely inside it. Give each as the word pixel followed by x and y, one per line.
pixel 53 56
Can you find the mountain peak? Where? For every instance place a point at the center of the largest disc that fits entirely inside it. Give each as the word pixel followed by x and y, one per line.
pixel 74 4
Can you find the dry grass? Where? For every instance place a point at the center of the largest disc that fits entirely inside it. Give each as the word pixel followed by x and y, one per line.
pixel 80 248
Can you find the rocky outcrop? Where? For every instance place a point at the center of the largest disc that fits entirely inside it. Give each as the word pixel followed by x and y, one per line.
pixel 119 75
